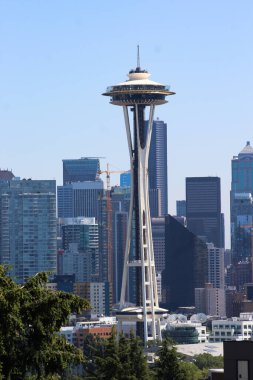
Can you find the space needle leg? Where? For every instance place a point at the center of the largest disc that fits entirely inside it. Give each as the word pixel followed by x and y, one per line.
pixel 130 217
pixel 152 275
pixel 142 224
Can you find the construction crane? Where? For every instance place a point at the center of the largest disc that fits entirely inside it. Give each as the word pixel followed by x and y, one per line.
pixel 108 174
pixel 107 241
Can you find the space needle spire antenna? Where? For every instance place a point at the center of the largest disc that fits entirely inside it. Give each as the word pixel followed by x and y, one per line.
pixel 139 94
pixel 138 57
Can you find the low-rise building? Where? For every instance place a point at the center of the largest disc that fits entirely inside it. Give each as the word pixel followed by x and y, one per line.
pixel 68 332
pixel 101 328
pixel 232 329
pixel 185 331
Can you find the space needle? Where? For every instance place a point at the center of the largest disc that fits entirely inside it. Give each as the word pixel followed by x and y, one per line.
pixel 140 94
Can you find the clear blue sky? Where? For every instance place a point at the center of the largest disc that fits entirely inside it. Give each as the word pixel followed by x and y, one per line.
pixel 58 56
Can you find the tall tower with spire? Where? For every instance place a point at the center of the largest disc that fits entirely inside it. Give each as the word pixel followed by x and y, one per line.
pixel 140 94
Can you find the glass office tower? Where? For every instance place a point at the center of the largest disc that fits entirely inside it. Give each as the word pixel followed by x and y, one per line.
pixel 158 178
pixel 242 204
pixel 203 209
pixel 28 227
pixel 79 170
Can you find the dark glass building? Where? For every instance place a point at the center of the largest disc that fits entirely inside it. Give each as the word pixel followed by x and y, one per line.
pixel 186 265
pixel 158 234
pixel 80 170
pixel 158 178
pixel 203 209
pixel 183 334
pixel 155 202
pixel 181 208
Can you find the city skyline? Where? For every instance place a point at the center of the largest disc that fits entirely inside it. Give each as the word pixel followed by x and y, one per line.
pixel 56 60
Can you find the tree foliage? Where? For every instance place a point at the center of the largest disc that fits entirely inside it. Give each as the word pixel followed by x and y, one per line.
pixel 119 358
pixel 190 371
pixel 167 365
pixel 30 317
pixel 207 361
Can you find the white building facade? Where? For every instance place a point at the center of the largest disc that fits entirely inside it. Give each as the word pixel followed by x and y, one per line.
pixel 232 329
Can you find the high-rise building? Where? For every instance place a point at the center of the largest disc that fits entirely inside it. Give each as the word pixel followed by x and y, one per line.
pixel 64 282
pixel 216 272
pixel 28 227
pixel 80 245
pixel 98 295
pixel 80 170
pixel 119 244
pixel 6 175
pixel 155 195
pixel 181 208
pixel 242 205
pixel 120 198
pixel 158 177
pixel 105 239
pixel 203 209
pixel 186 265
pixel 239 273
pixel 210 300
pixel 79 199
pixel 158 234
pixel 155 203
pixel 125 179
pixel 140 94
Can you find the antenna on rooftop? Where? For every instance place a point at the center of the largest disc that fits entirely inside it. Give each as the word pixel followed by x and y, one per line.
pixel 138 57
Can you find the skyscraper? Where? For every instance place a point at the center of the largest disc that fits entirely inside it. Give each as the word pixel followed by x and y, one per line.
pixel 79 199
pixel 186 265
pixel 140 93
pixel 105 239
pixel 158 234
pixel 28 227
pixel 181 208
pixel 155 203
pixel 120 198
pixel 80 170
pixel 120 232
pixel 216 266
pixel 158 164
pixel 6 175
pixel 203 209
pixel 81 248
pixel 125 179
pixel 242 205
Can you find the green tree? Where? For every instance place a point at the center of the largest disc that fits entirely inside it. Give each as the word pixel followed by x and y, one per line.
pixel 190 371
pixel 138 361
pixel 168 363
pixel 30 317
pixel 207 361
pixel 122 359
pixel 108 365
pixel 93 347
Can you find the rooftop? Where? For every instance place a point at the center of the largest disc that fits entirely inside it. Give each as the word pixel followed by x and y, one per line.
pixel 247 150
pixel 6 175
pixel 214 349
